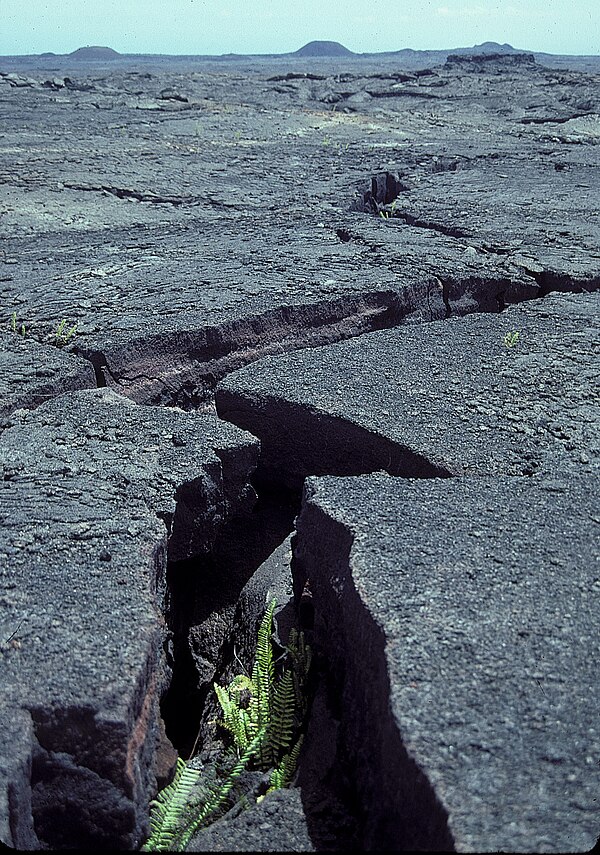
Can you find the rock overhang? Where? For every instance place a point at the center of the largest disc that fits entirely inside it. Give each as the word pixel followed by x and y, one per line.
pixel 475 394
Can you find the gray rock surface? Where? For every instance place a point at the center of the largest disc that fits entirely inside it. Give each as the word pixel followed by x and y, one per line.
pixel 273 579
pixel 459 621
pixel 277 824
pixel 444 398
pixel 95 490
pixel 189 235
pixel 31 372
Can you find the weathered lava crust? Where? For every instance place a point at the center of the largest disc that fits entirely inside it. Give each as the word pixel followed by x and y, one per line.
pixel 319 325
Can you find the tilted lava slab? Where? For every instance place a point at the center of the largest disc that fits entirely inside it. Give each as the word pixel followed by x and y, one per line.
pixel 459 619
pixel 95 491
pixel 458 615
pixel 445 398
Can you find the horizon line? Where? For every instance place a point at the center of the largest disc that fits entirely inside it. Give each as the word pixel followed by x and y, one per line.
pixel 345 52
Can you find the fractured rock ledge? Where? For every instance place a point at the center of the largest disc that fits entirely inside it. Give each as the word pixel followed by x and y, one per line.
pixel 459 622
pixel 31 373
pixel 444 398
pixel 456 616
pixel 93 490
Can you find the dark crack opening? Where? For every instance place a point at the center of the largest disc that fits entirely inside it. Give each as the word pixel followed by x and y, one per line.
pixel 203 593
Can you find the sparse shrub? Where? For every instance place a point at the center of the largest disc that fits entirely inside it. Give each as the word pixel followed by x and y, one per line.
pixel 63 335
pixel 14 326
pixel 511 338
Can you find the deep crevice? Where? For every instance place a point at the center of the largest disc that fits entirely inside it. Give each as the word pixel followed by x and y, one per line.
pixel 203 592
pixel 99 365
pixel 555 120
pixel 551 281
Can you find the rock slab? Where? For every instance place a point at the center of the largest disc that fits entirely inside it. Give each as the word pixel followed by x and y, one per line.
pixel 459 622
pixel 95 493
pixel 445 398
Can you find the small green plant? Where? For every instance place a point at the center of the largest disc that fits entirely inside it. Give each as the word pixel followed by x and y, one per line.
pixel 63 335
pixel 283 774
pixel 511 338
pixel 386 215
pixel 336 147
pixel 14 326
pixel 275 703
pixel 174 815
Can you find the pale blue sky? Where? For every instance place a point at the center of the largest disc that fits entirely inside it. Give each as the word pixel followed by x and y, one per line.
pixel 278 26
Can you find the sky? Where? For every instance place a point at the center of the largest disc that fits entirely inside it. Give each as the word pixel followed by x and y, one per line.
pixel 280 26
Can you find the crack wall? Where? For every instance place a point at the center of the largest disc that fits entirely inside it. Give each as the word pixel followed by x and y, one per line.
pixel 417 222
pixel 183 368
pixel 556 120
pixel 550 280
pixel 394 805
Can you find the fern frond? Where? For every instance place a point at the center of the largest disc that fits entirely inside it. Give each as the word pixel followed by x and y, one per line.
pixel 263 679
pixel 265 669
pixel 283 775
pixel 236 720
pixel 224 699
pixel 281 728
pixel 301 655
pixel 219 795
pixel 166 809
pixel 241 683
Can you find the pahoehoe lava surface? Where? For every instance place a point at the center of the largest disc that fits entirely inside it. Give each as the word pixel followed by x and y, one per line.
pixel 383 275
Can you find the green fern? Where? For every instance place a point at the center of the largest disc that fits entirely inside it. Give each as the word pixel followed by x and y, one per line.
pixel 244 722
pixel 263 678
pixel 263 713
pixel 280 732
pixel 166 809
pixel 62 334
pixel 174 820
pixel 283 774
pixel 219 796
pixel 276 705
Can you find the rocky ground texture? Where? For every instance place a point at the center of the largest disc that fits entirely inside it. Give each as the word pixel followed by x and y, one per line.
pixel 341 300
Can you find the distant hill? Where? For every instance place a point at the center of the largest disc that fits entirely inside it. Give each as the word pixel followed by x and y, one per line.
pixel 407 58
pixel 486 47
pixel 93 53
pixel 440 55
pixel 323 49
